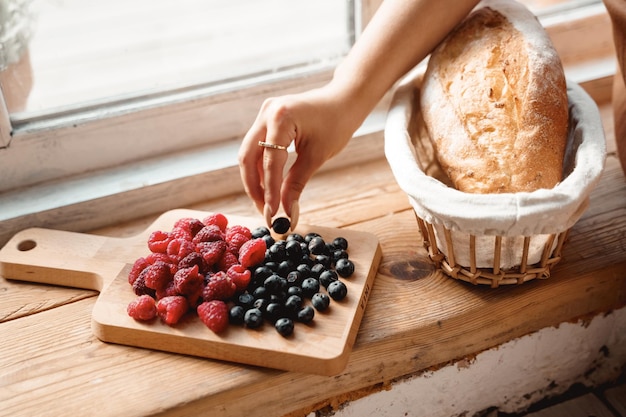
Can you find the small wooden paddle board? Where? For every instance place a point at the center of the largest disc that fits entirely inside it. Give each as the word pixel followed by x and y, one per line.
pixel 102 263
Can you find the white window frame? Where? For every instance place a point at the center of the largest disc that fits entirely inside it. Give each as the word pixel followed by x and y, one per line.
pixel 185 145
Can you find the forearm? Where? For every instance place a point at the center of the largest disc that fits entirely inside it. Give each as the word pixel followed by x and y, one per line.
pixel 401 34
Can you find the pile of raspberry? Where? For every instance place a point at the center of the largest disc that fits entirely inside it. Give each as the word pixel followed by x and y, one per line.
pixel 213 269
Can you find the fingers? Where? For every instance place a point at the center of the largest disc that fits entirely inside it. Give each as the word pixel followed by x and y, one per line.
pixel 280 131
pixel 263 155
pixel 298 176
pixel 311 123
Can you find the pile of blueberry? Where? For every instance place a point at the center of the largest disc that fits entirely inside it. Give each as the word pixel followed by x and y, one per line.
pixel 300 275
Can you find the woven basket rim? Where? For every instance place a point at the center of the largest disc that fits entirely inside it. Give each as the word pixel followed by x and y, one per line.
pixel 508 214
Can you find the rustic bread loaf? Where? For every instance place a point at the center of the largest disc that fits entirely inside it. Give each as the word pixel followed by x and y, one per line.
pixel 494 101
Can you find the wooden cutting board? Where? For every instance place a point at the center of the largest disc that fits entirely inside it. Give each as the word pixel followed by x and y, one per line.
pixel 102 263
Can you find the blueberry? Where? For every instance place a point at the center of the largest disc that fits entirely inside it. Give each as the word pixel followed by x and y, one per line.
pixel 260 274
pixel 275 284
pixel 304 270
pixel 317 269
pixel 274 311
pixel 310 286
pixel 261 303
pixel 337 290
pixel 309 236
pixel 340 243
pixel 295 236
pixel 293 304
pixel 278 297
pixel 306 260
pixel 295 290
pixel 294 250
pixel 327 277
pixel 344 267
pixel 320 301
pixel 246 300
pixel 284 326
pixel 253 318
pixel 306 314
pixel 236 314
pixel 305 249
pixel 285 267
pixel 324 260
pixel 260 293
pixel 269 240
pixel 317 246
pixel 260 232
pixel 281 225
pixel 263 271
pixel 273 266
pixel 294 278
pixel 339 254
pixel 277 252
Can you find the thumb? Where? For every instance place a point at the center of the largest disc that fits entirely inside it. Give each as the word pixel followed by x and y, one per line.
pixel 296 179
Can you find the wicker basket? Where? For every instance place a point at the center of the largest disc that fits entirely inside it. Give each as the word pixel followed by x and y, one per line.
pixel 492 239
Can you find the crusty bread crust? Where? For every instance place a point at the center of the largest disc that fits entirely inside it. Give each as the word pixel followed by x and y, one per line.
pixel 494 101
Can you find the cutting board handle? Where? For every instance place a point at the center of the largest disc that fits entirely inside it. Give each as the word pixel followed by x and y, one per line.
pixel 57 257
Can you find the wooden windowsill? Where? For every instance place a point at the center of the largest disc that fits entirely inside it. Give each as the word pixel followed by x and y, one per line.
pixel 416 317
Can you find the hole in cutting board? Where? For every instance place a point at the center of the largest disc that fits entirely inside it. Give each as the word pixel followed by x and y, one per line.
pixel 26 245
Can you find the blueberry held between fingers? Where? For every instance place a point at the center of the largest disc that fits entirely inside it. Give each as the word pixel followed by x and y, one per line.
pixel 281 225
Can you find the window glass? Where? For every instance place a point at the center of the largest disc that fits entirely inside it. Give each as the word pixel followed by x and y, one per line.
pixel 91 51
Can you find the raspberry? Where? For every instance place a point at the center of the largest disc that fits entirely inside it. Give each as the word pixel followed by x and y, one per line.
pixel 209 233
pixel 189 225
pixel 139 286
pixel 168 291
pixel 158 241
pixel 214 314
pixel 142 308
pixel 157 275
pixel 139 265
pixel 243 230
pixel 240 276
pixel 252 252
pixel 188 280
pixel 194 258
pixel 178 248
pixel 171 309
pixel 217 219
pixel 180 233
pixel 219 287
pixel 235 241
pixel 211 251
pixel 195 297
pixel 157 256
pixel 227 260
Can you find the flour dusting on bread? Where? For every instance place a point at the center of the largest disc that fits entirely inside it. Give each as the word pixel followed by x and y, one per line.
pixel 494 101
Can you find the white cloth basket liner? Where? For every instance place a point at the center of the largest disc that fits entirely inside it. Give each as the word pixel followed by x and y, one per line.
pixel 511 215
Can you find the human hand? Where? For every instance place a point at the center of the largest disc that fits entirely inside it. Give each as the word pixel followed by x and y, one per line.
pixel 316 122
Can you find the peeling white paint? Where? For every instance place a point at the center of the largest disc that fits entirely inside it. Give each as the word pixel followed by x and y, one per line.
pixel 511 376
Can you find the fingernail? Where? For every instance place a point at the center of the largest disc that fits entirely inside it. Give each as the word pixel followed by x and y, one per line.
pixel 295 214
pixel 267 212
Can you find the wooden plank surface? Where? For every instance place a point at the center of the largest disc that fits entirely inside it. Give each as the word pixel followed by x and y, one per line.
pixel 103 263
pixel 416 318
